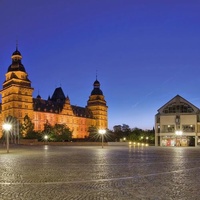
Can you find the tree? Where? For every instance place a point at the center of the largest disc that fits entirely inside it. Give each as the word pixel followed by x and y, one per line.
pixel 27 126
pixel 151 136
pixel 62 132
pixel 125 128
pixel 136 135
pixel 93 133
pixel 121 132
pixel 33 135
pixel 117 128
pixel 49 131
pixel 57 133
pixel 110 136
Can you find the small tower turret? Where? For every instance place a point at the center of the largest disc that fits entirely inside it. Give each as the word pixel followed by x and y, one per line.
pixel 97 105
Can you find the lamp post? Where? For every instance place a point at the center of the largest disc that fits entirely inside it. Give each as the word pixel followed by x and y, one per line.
pixel 7 127
pixel 102 132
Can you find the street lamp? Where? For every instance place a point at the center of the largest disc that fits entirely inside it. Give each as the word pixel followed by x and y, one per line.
pixel 102 132
pixel 178 132
pixel 7 127
pixel 147 139
pixel 46 138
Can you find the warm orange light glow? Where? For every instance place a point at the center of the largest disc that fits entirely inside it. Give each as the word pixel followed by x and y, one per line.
pixel 7 127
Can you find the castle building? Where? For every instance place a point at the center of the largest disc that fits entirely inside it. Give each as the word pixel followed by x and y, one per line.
pixel 18 101
pixel 177 123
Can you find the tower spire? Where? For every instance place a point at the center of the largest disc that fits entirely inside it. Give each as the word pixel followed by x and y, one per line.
pixel 16 44
pixel 96 73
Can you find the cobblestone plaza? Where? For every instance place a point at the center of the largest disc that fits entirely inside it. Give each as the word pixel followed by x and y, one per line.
pixel 93 173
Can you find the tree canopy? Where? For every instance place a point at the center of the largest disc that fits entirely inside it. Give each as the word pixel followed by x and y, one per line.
pixel 57 133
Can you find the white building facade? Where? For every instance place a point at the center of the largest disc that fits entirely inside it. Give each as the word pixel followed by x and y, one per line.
pixel 177 123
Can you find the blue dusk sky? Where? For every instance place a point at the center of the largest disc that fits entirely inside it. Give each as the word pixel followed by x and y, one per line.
pixel 144 52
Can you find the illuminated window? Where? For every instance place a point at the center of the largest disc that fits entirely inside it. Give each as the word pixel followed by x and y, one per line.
pixel 168 128
pixel 188 128
pixel 181 108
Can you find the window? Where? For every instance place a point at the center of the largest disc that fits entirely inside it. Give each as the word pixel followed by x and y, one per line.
pixel 188 128
pixel 168 128
pixel 180 108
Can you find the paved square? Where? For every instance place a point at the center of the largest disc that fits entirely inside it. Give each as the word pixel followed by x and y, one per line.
pixel 93 173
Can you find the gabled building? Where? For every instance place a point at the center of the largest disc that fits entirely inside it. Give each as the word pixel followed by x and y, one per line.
pixel 18 101
pixel 177 123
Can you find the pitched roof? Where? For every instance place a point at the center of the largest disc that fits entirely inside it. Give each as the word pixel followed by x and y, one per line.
pixel 178 105
pixel 82 112
pixel 46 105
pixel 58 95
pixel 56 104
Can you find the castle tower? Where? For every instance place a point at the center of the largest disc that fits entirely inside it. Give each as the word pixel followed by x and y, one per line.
pixel 97 105
pixel 17 100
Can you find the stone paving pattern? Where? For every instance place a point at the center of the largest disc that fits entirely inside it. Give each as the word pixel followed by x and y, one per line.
pixel 93 173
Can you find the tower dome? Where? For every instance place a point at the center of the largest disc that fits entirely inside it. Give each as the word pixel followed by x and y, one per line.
pixel 16 62
pixel 16 52
pixel 96 83
pixel 96 90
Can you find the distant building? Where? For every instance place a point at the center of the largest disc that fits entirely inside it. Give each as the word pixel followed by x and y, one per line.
pixel 18 101
pixel 177 123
